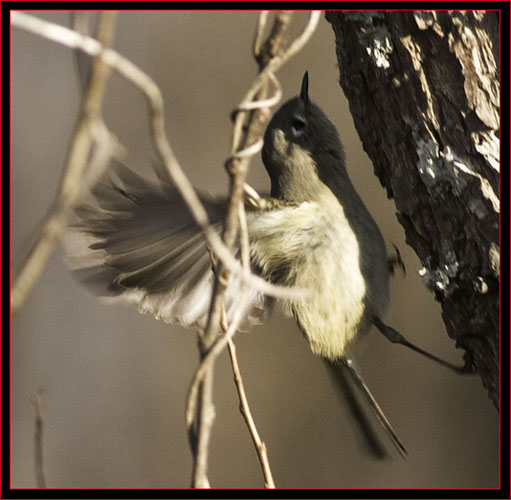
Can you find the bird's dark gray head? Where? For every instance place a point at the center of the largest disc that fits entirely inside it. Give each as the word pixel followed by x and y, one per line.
pixel 301 145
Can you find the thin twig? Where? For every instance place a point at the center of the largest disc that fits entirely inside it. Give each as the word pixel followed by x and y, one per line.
pixel 77 159
pixel 245 135
pixel 258 36
pixel 38 441
pixel 210 357
pixel 80 21
pixel 262 452
pixel 203 423
pixel 280 59
pixel 273 44
pixel 199 408
pixel 260 446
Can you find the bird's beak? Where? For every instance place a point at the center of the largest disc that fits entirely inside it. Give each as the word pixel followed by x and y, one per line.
pixel 304 92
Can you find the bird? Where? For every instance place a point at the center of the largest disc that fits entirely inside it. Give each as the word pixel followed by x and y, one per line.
pixel 136 242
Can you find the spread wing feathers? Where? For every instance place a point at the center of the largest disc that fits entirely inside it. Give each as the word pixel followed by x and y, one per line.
pixel 136 242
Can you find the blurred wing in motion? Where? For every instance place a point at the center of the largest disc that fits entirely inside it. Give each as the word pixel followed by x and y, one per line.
pixel 138 243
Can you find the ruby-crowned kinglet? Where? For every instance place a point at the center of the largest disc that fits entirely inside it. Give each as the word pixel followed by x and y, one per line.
pixel 139 243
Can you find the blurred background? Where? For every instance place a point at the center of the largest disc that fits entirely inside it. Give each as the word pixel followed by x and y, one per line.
pixel 115 382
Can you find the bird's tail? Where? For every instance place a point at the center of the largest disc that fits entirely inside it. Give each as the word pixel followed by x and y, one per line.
pixel 350 385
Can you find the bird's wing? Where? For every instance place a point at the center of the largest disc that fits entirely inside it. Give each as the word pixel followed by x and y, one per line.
pixel 137 242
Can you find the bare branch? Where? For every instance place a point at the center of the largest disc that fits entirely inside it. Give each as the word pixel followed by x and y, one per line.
pixel 209 359
pixel 260 446
pixel 263 18
pixel 208 362
pixel 262 452
pixel 246 132
pixel 274 42
pixel 77 158
pixel 38 441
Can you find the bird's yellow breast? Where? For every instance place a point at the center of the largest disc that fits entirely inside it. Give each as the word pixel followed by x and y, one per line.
pixel 312 245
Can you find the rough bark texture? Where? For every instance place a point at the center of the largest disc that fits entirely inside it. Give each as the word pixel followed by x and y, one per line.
pixel 423 90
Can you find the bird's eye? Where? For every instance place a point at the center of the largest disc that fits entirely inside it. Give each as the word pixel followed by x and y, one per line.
pixel 298 126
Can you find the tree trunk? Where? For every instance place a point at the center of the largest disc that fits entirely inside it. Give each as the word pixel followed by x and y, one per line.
pixel 423 90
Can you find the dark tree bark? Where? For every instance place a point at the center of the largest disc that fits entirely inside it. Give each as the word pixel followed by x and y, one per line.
pixel 423 90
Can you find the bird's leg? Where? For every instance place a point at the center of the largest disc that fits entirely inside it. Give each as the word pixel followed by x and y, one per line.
pixel 395 337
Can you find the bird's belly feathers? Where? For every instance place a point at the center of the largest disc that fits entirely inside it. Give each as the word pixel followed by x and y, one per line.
pixel 314 247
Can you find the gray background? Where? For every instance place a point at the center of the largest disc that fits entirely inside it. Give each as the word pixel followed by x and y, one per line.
pixel 115 381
